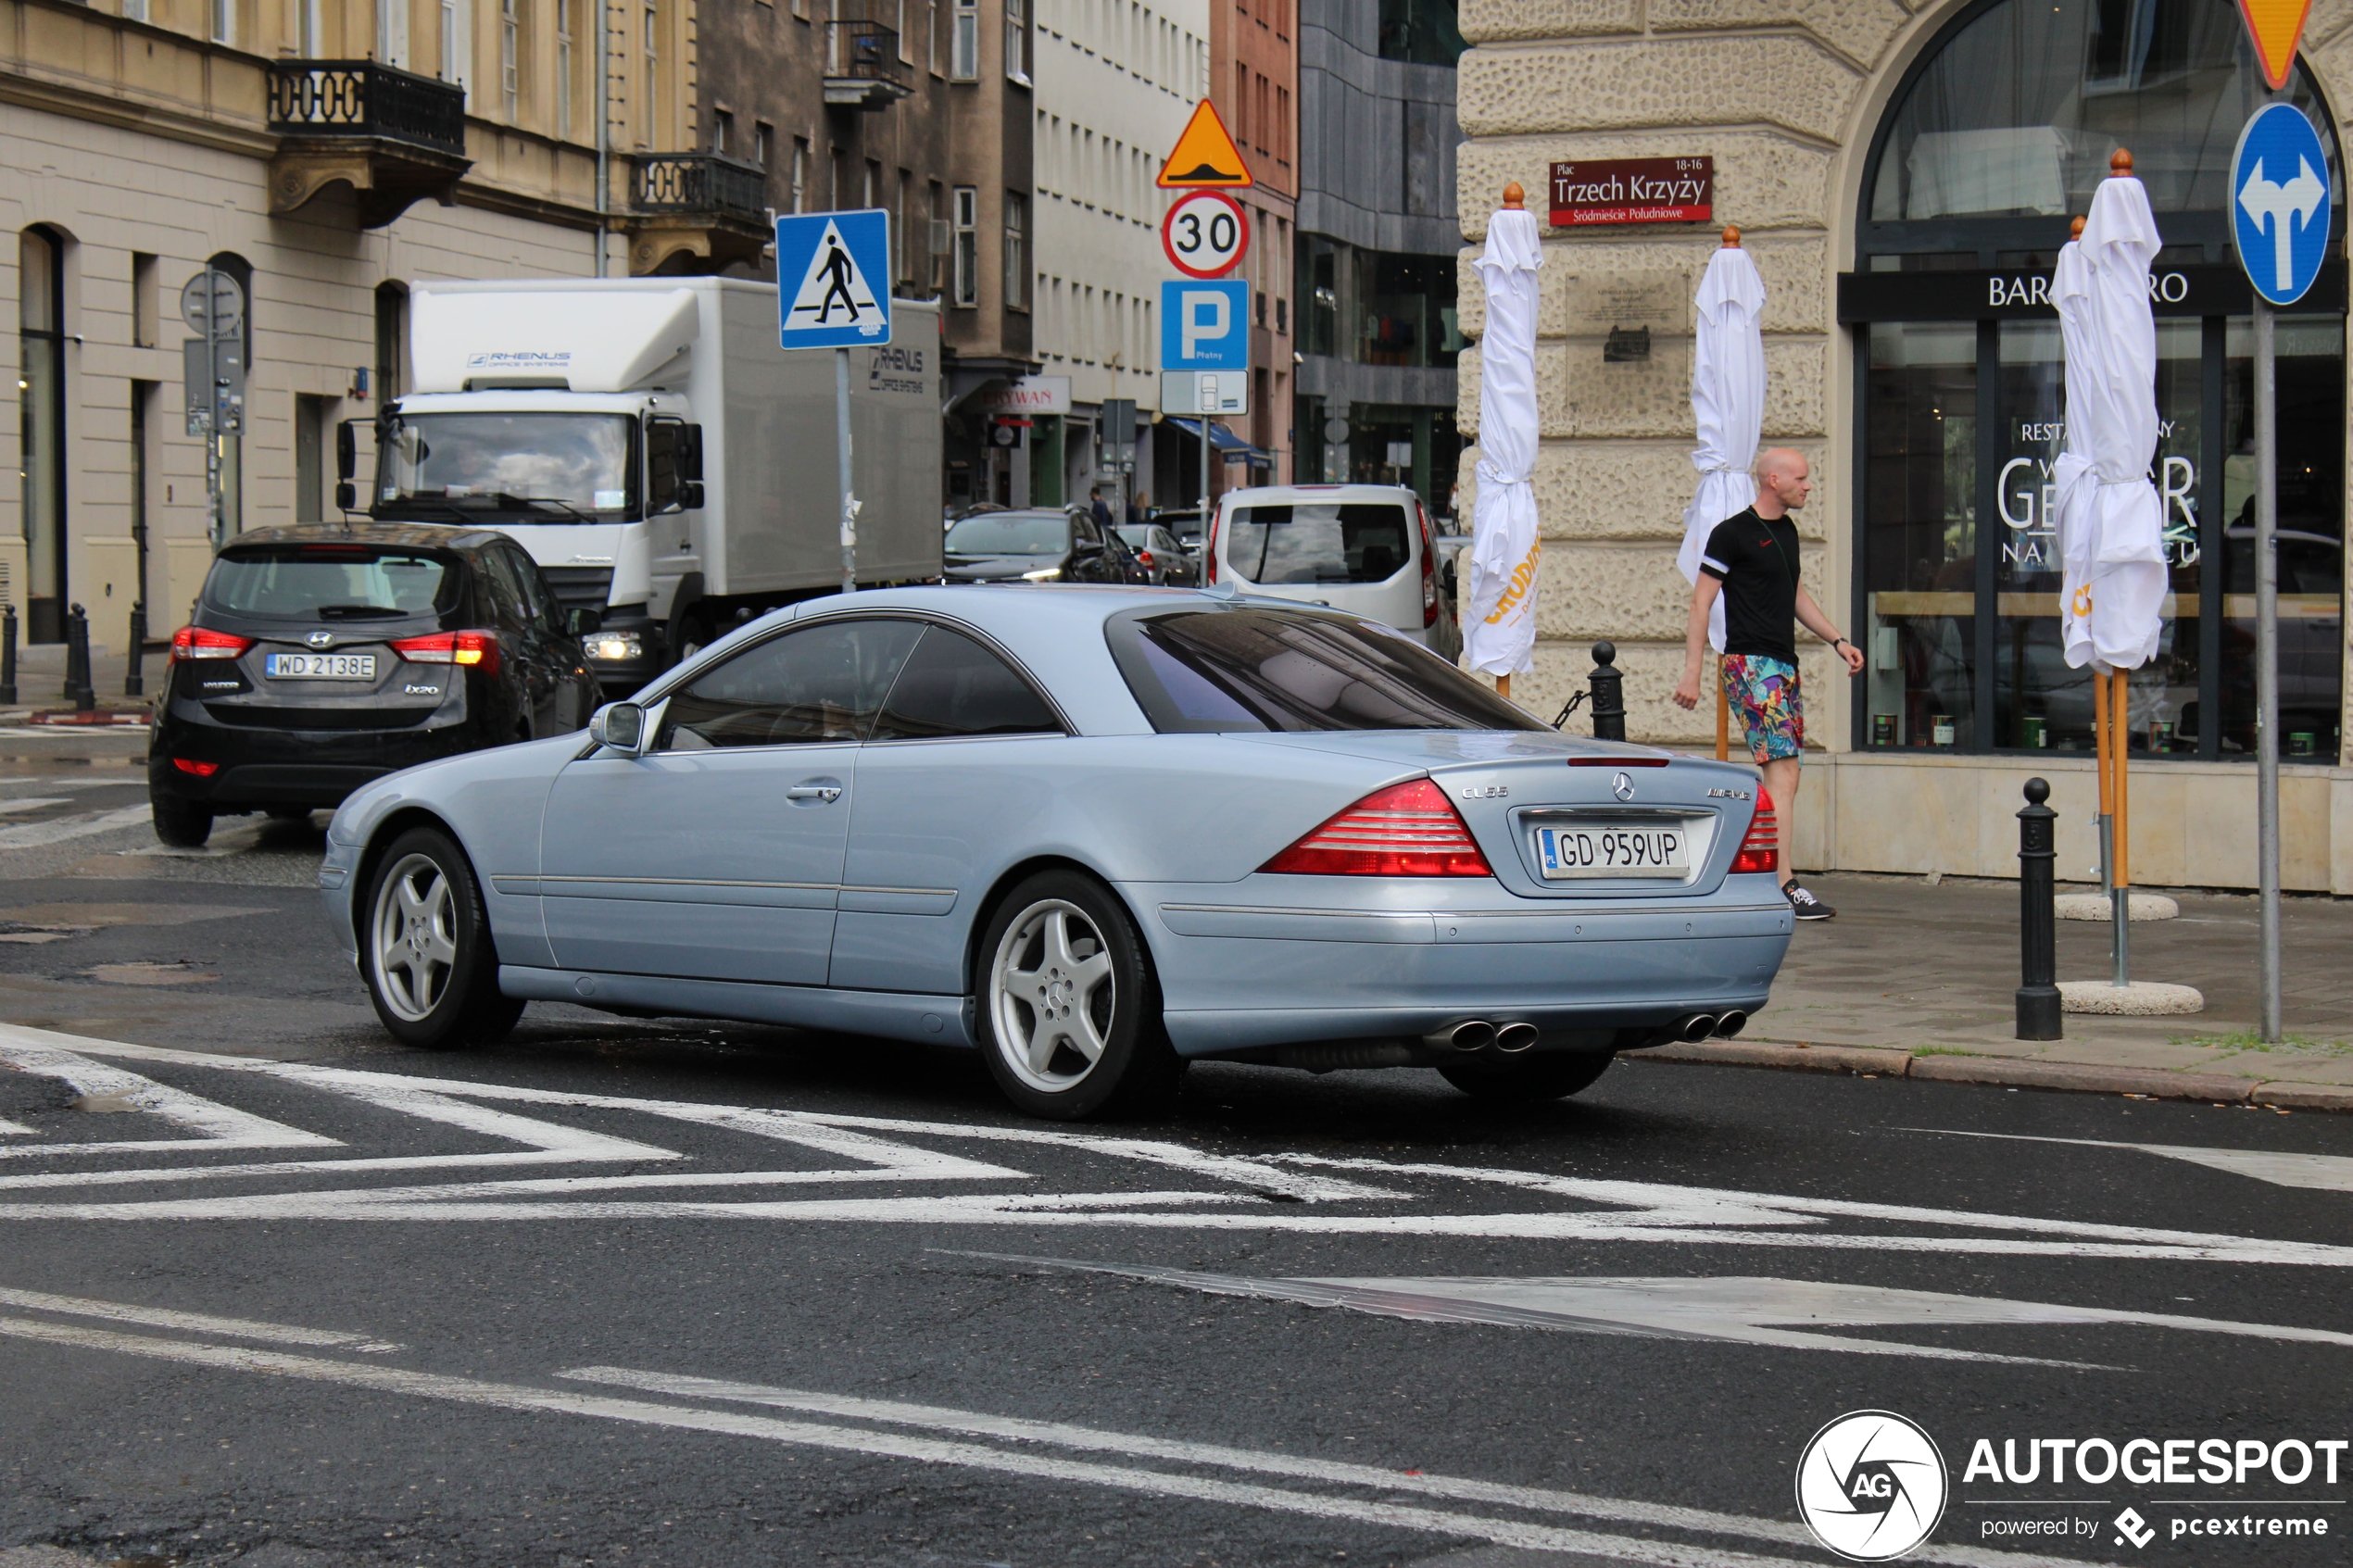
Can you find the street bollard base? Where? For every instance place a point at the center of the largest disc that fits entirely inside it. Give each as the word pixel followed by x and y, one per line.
pixel 2040 1016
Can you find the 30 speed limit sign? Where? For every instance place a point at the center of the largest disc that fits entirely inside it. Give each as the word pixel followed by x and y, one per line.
pixel 1205 234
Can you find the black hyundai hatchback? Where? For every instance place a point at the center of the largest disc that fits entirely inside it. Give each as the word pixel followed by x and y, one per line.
pixel 322 656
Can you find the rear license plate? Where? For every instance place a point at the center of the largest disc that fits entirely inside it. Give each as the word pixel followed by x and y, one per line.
pixel 320 666
pixel 1614 851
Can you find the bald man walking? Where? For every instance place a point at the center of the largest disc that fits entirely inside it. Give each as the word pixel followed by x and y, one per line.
pixel 1752 560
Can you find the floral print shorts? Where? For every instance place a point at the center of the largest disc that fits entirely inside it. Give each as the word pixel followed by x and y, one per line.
pixel 1763 692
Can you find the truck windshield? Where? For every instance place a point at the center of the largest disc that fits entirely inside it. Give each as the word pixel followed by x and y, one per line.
pixel 557 468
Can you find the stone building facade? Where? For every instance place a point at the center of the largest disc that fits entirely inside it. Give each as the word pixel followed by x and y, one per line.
pixel 1896 168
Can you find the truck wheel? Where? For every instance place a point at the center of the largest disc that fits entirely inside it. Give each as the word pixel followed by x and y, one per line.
pixel 694 635
pixel 182 824
pixel 425 949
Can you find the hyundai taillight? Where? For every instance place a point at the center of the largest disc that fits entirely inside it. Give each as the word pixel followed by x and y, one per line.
pixel 478 649
pixel 1405 830
pixel 1429 567
pixel 1145 560
pixel 1760 849
pixel 190 765
pixel 197 642
pixel 1209 547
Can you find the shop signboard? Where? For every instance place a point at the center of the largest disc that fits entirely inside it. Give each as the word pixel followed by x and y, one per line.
pixel 1634 189
pixel 1028 397
pixel 2023 293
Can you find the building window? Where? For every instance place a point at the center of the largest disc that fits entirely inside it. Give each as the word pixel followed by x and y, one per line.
pixel 1017 41
pixel 936 243
pixel 800 174
pixel 870 194
pixel 763 142
pixel 1420 31
pixel 723 132
pixel 965 256
pixel 563 68
pixel 1016 250
pixel 510 59
pixel 41 421
pixel 312 32
pixel 135 9
pixel 963 44
pixel 224 22
pixel 450 33
pixel 906 38
pixel 651 136
pixel 899 268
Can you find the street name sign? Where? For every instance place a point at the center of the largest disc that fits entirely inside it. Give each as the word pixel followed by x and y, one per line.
pixel 1204 326
pixel 1634 189
pixel 1205 234
pixel 2276 25
pixel 2280 202
pixel 1204 155
pixel 833 272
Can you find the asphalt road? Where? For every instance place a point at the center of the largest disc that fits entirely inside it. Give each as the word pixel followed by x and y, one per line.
pixel 618 1293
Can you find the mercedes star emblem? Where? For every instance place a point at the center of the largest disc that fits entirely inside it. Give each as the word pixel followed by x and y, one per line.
pixel 1622 787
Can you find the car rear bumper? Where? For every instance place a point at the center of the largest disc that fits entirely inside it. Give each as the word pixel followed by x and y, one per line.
pixel 1242 968
pixel 296 767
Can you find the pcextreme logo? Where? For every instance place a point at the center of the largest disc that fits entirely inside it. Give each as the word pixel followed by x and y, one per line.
pixel 1871 1485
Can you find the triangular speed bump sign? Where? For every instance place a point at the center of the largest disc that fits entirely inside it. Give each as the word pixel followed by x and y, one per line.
pixel 835 306
pixel 2276 25
pixel 1204 155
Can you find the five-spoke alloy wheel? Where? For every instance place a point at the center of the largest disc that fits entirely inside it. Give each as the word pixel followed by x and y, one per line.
pixel 432 971
pixel 1070 1011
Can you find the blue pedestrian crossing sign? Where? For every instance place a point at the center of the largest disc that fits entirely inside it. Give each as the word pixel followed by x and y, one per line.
pixel 1204 325
pixel 833 279
pixel 2280 202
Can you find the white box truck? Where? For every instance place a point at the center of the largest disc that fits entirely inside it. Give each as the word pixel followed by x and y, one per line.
pixel 662 459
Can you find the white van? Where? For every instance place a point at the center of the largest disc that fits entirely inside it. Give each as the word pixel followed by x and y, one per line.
pixel 1363 549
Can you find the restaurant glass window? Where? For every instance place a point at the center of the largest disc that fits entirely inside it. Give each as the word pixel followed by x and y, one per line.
pixel 41 419
pixel 1919 534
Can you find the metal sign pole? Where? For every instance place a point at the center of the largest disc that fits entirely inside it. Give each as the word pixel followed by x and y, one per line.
pixel 214 501
pixel 2267 661
pixel 1205 473
pixel 849 501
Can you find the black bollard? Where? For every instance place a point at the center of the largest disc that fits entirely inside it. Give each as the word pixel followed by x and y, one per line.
pixel 78 691
pixel 136 683
pixel 9 655
pixel 2038 998
pixel 1608 685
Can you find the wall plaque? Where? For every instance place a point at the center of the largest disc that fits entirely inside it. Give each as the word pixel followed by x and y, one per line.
pixel 1634 189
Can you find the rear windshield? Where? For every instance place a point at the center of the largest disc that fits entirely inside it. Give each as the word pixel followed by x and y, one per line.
pixel 1319 542
pixel 352 583
pixel 1010 533
pixel 1253 668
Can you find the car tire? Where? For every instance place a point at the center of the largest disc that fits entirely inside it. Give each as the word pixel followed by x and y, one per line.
pixel 288 813
pixel 425 949
pixel 1554 1076
pixel 182 824
pixel 1069 1011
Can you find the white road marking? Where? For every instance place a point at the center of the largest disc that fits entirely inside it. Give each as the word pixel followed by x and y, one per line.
pixel 2328 1172
pixel 16 1130
pixel 194 1323
pixel 218 1127
pixel 525 1400
pixel 58 829
pixel 34 802
pixel 1734 1309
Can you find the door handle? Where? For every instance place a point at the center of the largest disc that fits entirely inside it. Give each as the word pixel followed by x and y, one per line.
pixel 826 793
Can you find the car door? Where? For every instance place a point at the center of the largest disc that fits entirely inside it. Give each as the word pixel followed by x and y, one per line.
pixel 963 769
pixel 1088 563
pixel 545 668
pixel 717 855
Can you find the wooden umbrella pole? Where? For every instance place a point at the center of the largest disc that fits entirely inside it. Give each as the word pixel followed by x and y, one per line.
pixel 1723 717
pixel 1503 687
pixel 2120 711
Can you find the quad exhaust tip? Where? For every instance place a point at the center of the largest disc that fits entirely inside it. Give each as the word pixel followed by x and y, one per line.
pixel 1514 1037
pixel 1731 1024
pixel 1474 1035
pixel 1696 1027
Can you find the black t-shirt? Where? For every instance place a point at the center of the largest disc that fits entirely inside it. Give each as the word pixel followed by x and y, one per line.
pixel 1756 562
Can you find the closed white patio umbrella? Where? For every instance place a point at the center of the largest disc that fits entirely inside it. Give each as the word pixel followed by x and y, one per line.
pixel 1499 630
pixel 1728 406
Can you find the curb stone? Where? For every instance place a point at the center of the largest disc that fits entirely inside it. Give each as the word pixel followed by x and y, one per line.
pixel 2011 1072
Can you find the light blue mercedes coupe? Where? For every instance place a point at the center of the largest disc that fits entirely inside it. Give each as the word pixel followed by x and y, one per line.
pixel 1096 834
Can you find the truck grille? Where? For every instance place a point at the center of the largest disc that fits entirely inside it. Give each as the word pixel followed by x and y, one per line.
pixel 580 587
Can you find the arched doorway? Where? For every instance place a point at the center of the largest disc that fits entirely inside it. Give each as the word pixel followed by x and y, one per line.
pixel 1999 133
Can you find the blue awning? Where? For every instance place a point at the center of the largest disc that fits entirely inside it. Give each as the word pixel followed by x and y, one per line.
pixel 1225 441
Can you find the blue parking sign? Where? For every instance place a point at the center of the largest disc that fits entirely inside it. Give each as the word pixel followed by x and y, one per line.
pixel 1204 325
pixel 2280 202
pixel 833 279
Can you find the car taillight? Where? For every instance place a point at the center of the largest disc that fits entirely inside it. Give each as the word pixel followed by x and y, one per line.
pixel 1429 567
pixel 478 649
pixel 1760 847
pixel 197 642
pixel 1405 830
pixel 1209 547
pixel 190 765
pixel 1145 560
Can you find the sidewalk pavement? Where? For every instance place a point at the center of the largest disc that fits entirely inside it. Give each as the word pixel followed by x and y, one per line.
pixel 1917 979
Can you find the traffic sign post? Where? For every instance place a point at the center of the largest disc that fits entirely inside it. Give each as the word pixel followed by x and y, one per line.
pixel 213 370
pixel 1205 156
pixel 839 258
pixel 1204 326
pixel 1205 234
pixel 2279 214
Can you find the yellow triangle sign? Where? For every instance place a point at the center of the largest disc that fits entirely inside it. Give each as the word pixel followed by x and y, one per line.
pixel 2276 25
pixel 1204 155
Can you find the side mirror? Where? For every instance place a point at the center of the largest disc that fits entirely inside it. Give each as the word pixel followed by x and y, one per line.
pixel 690 495
pixel 690 454
pixel 1087 548
pixel 581 619
pixel 347 496
pixel 620 727
pixel 346 453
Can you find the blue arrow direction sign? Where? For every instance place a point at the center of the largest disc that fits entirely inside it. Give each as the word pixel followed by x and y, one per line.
pixel 833 279
pixel 2280 202
pixel 1204 325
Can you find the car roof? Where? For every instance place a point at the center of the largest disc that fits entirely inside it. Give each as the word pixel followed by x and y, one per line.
pixel 1280 492
pixel 416 535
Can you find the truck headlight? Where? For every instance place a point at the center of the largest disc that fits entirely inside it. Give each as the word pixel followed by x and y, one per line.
pixel 614 647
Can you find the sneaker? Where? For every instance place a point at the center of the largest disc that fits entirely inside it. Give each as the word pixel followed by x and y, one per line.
pixel 1806 906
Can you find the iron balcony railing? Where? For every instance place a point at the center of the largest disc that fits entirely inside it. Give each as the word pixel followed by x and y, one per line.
pixel 701 182
pixel 865 50
pixel 363 98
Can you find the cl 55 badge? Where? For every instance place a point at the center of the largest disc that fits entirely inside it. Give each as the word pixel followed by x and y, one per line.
pixel 1486 791
pixel 1729 795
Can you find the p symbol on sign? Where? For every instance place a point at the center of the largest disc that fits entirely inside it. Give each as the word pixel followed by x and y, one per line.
pixel 1206 318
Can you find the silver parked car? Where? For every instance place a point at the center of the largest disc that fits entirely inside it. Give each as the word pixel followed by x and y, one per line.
pixel 1363 549
pixel 1094 833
